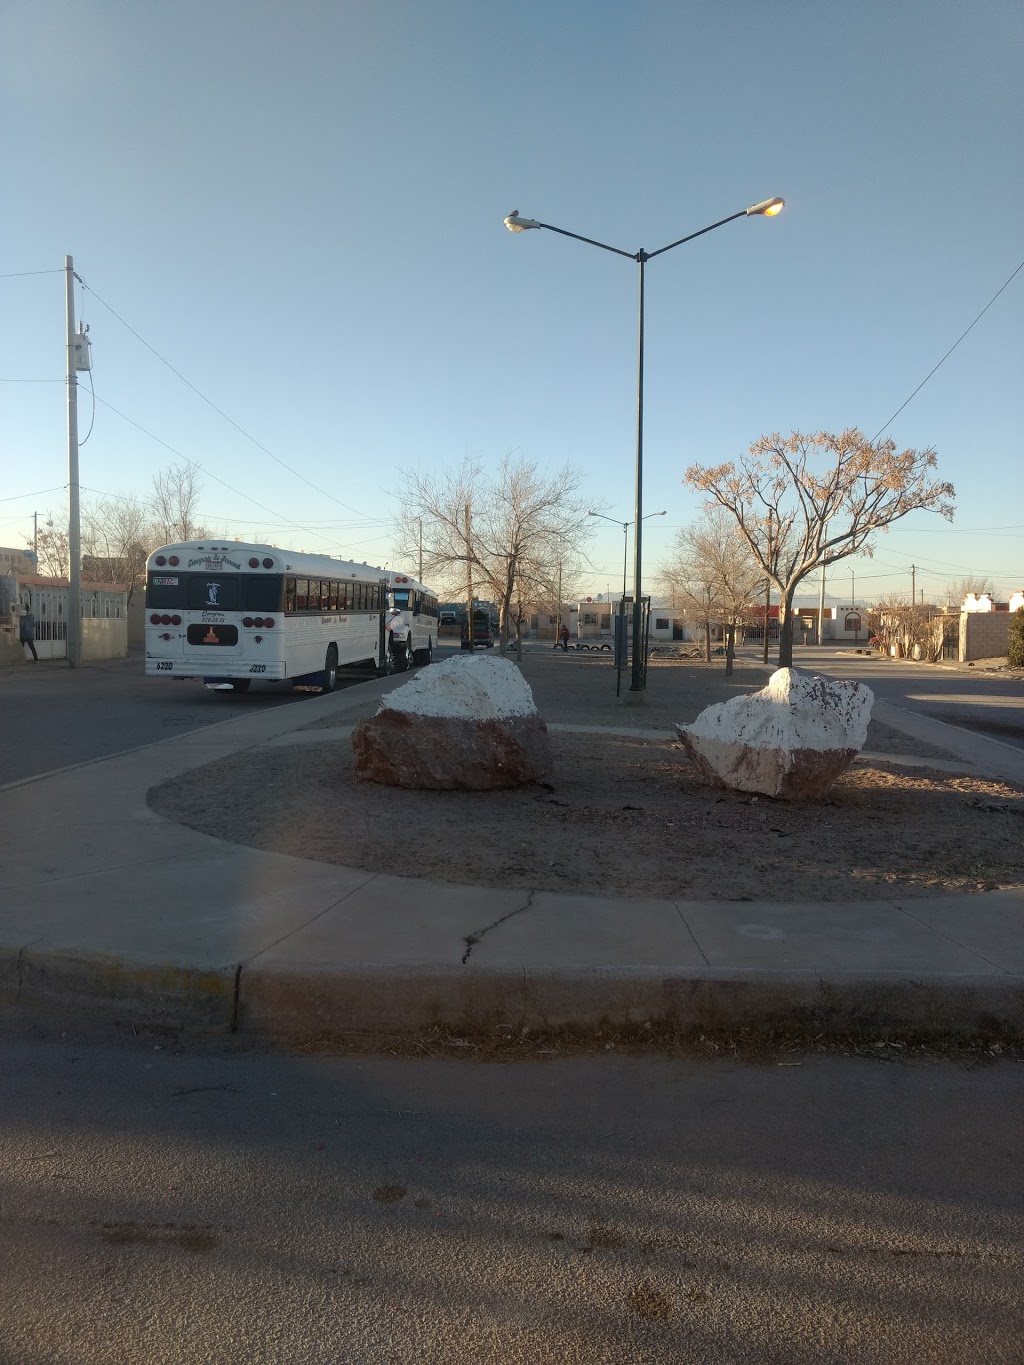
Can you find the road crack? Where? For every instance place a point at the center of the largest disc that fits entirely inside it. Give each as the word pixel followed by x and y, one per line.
pixel 471 940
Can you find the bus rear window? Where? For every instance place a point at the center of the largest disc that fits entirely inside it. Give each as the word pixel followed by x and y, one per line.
pixel 214 592
pixel 166 590
pixel 262 592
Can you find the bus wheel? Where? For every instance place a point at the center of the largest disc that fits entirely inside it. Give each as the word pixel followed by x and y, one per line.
pixel 330 679
pixel 387 664
pixel 407 656
pixel 240 684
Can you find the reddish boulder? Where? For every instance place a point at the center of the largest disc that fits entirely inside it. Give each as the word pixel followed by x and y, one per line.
pixel 464 725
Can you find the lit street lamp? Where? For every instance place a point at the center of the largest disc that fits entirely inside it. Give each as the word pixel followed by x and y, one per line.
pixel 768 208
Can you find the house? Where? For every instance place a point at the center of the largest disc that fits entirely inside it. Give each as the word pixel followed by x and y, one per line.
pixel 104 618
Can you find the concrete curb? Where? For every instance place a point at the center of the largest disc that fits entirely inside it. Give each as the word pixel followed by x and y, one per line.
pixel 291 1004
pixel 285 1004
pixel 165 994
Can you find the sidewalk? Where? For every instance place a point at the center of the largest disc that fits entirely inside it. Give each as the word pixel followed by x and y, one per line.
pixel 105 906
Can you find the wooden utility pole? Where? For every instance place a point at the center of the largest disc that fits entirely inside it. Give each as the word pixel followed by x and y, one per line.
pixel 421 549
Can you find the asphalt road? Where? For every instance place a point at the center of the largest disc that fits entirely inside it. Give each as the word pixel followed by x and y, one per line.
pixel 990 703
pixel 231 1206
pixel 52 716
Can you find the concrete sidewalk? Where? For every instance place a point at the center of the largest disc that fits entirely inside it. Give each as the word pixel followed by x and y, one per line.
pixel 107 907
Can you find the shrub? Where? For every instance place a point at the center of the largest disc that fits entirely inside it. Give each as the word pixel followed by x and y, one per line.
pixel 1017 639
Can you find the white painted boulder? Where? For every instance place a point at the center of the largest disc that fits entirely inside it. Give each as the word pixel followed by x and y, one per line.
pixel 466 724
pixel 791 740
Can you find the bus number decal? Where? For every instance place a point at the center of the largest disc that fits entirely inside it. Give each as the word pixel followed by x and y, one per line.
pixel 167 665
pixel 257 668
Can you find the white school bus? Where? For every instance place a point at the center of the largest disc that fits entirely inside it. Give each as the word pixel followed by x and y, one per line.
pixel 230 613
pixel 411 620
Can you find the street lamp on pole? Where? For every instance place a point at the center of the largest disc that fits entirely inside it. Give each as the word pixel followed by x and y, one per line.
pixel 767 208
pixel 625 538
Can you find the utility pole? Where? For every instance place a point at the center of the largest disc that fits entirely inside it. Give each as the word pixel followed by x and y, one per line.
pixel 558 624
pixel 35 538
pixel 469 575
pixel 821 607
pixel 74 508
pixel 913 585
pixel 421 549
pixel 853 603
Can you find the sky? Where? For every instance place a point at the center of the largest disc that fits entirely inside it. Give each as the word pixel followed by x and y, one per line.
pixel 299 206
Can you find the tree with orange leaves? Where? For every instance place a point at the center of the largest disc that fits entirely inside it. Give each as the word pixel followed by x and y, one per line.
pixel 804 501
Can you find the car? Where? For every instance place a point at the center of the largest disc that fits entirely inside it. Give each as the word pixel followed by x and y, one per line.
pixel 483 632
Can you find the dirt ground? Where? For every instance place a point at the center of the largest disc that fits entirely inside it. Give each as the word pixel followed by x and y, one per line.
pixel 623 816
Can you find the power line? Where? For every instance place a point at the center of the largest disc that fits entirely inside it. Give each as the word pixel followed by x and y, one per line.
pixel 245 521
pixel 210 403
pixel 952 348
pixel 20 274
pixel 31 381
pixel 14 497
pixel 196 465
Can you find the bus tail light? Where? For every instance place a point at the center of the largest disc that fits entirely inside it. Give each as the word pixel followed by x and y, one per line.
pixel 160 560
pixel 175 620
pixel 268 563
pixel 154 620
pixel 173 560
pixel 254 563
pixel 258 622
pixel 247 621
pixel 268 622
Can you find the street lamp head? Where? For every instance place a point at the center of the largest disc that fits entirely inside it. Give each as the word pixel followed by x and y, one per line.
pixel 768 208
pixel 516 224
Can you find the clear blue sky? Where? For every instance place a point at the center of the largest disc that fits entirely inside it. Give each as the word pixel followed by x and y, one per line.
pixel 300 206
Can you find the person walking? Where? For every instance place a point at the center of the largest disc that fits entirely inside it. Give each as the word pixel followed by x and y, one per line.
pixel 27 631
pixel 564 637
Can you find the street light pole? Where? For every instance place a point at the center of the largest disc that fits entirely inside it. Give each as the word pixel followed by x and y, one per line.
pixel 625 553
pixel 625 539
pixel 767 208
pixel 636 685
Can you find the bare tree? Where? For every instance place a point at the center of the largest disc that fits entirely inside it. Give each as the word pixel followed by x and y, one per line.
pixel 906 629
pixel 174 505
pixel 794 518
pixel 523 524
pixel 116 539
pixel 712 571
pixel 976 583
pixel 54 554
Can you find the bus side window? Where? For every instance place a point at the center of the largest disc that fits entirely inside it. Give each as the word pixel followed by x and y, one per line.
pixel 332 599
pixel 289 594
pixel 301 593
pixel 417 603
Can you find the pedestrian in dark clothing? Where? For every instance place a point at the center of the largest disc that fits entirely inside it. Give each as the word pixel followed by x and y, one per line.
pixel 564 636
pixel 27 632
